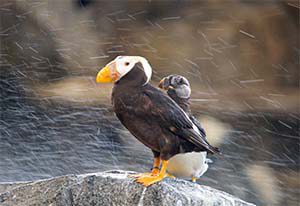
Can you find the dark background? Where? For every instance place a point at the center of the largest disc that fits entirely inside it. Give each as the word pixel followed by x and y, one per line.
pixel 242 58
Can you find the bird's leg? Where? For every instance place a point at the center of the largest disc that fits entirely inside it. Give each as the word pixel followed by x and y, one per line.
pixel 149 180
pixel 194 179
pixel 154 172
pixel 155 168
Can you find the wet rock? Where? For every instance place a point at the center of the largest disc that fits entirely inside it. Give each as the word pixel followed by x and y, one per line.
pixel 112 188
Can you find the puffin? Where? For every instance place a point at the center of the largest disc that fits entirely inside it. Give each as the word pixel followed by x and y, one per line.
pixel 150 115
pixel 193 164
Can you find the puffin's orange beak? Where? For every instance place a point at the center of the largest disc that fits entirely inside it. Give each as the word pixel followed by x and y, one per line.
pixel 105 75
pixel 161 84
pixel 164 84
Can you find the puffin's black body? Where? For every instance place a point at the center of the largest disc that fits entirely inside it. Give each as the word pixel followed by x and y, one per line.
pixel 154 118
pixel 184 103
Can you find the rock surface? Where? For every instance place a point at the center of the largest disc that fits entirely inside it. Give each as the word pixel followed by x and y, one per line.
pixel 112 188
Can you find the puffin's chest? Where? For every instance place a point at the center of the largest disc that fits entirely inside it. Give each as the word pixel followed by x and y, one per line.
pixel 128 105
pixel 131 111
pixel 125 102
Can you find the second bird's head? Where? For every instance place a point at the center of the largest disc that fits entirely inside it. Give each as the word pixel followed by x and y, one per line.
pixel 176 83
pixel 120 66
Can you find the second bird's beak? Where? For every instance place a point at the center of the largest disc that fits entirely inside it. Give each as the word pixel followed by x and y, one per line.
pixel 164 84
pixel 105 75
pixel 161 83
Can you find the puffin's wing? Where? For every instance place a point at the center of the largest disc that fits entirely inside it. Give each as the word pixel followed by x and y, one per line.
pixel 170 115
pixel 193 136
pixel 198 125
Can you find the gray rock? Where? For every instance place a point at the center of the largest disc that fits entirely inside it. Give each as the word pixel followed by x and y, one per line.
pixel 112 188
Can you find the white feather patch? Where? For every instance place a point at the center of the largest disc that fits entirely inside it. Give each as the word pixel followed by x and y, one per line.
pixel 123 69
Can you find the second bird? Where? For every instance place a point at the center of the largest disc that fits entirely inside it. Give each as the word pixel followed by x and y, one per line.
pixel 188 165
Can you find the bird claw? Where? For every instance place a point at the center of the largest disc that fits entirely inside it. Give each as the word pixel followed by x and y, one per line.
pixel 154 172
pixel 149 180
pixel 139 175
pixel 194 179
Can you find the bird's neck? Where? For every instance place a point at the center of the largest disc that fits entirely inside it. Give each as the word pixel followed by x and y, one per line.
pixel 184 103
pixel 134 78
pixel 131 83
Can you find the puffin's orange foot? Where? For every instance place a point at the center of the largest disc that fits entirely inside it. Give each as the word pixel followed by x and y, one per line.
pixel 138 175
pixel 194 179
pixel 147 181
pixel 154 172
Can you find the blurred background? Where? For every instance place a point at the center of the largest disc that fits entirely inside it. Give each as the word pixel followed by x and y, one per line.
pixel 241 57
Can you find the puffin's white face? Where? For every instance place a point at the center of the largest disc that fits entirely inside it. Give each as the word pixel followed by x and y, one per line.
pixel 120 66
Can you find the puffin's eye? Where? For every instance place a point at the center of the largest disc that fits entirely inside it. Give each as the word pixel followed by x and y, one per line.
pixel 126 63
pixel 179 80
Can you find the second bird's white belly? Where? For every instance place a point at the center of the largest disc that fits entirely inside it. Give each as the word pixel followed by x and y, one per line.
pixel 188 165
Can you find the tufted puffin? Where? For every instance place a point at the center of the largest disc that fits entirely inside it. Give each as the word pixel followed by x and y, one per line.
pixel 193 164
pixel 150 115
